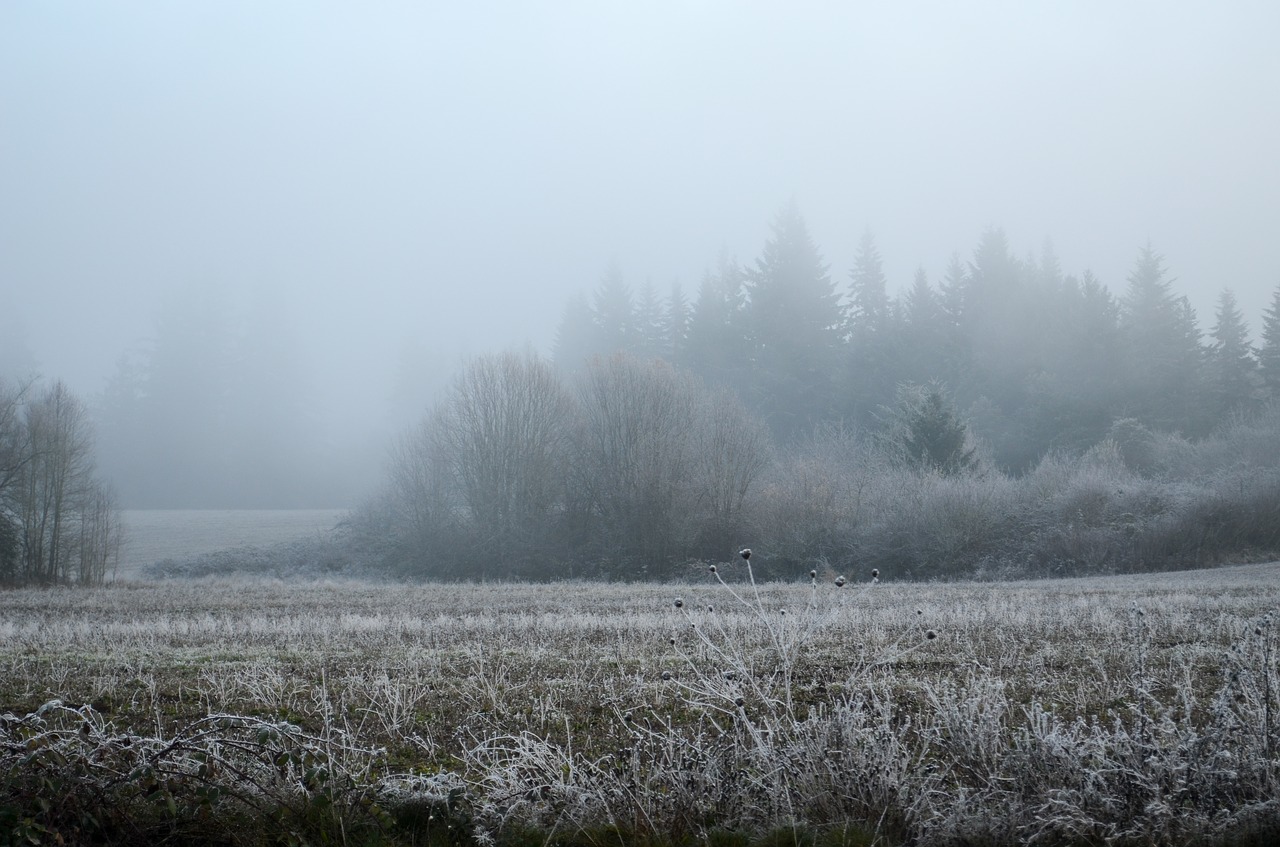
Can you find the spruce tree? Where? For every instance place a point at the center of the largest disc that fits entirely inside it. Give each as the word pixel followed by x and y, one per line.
pixel 674 331
pixel 794 322
pixel 868 297
pixel 716 345
pixel 924 432
pixel 1161 373
pixel 1232 368
pixel 613 313
pixel 1269 354
pixel 646 325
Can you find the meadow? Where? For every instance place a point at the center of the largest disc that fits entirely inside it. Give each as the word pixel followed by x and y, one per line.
pixel 1105 710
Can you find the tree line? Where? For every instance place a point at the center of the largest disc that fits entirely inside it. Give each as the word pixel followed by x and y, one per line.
pixel 1012 418
pixel 58 520
pixel 1037 359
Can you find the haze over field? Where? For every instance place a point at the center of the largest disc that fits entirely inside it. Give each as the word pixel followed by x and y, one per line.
pixel 386 188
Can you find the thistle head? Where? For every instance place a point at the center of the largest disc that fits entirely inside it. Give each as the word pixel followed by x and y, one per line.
pixel 745 553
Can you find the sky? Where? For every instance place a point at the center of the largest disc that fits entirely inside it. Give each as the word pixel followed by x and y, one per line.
pixel 416 182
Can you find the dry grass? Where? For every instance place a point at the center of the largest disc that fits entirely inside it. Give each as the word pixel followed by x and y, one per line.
pixel 1072 711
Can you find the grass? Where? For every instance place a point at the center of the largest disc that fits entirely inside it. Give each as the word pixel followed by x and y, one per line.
pixel 1109 710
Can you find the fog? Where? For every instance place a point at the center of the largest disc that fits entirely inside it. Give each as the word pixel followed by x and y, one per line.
pixel 395 186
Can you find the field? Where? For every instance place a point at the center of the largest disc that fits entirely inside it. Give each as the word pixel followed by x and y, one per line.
pixel 152 535
pixel 1119 710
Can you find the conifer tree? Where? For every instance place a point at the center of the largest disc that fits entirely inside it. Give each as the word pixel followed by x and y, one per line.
pixel 575 339
pixel 716 345
pixel 1269 354
pixel 1233 376
pixel 868 297
pixel 1161 373
pixel 613 313
pixel 675 324
pixel 924 432
pixel 646 340
pixel 794 320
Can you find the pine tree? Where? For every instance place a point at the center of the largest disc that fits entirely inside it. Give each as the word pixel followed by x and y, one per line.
pixel 613 313
pixel 575 340
pixel 716 346
pixel 1269 355
pixel 868 297
pixel 1232 373
pixel 675 324
pixel 646 336
pixel 924 329
pixel 794 319
pixel 925 432
pixel 1161 373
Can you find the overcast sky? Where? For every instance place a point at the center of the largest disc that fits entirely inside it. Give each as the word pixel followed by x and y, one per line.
pixel 445 175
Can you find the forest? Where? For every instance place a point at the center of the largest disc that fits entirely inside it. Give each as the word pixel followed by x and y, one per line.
pixel 1009 419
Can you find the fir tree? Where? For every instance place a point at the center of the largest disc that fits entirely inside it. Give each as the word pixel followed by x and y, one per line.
pixel 794 318
pixel 1269 354
pixel 925 432
pixel 1232 368
pixel 868 297
pixel 613 313
pixel 1161 373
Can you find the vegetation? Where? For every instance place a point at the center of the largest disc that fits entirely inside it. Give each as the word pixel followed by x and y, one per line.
pixel 717 711
pixel 498 484
pixel 58 523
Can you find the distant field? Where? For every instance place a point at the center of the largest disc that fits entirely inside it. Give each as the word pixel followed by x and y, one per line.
pixel 155 534
pixel 1120 710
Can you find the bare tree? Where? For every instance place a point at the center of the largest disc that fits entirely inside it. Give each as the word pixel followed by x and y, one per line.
pixel 502 433
pixel 635 457
pixel 67 530
pixel 731 450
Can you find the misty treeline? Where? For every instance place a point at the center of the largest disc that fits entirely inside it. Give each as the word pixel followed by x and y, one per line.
pixel 218 410
pixel 58 519
pixel 1011 421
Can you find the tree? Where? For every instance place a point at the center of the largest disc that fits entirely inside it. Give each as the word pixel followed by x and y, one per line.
pixel 868 296
pixel 1269 354
pixel 15 453
pixel 674 330
pixel 716 348
pixel 634 459
pixel 924 432
pixel 575 340
pixel 1161 373
pixel 794 322
pixel 646 323
pixel 613 313
pixel 1233 377
pixel 504 429
pixel 731 450
pixel 64 517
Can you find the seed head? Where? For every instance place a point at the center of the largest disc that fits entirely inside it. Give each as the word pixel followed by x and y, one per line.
pixel 739 702
pixel 666 675
pixel 813 574
pixel 673 641
pixel 713 568
pixel 930 635
pixel 745 552
pixel 679 603
pixel 875 573
pixel 711 608
pixel 840 580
